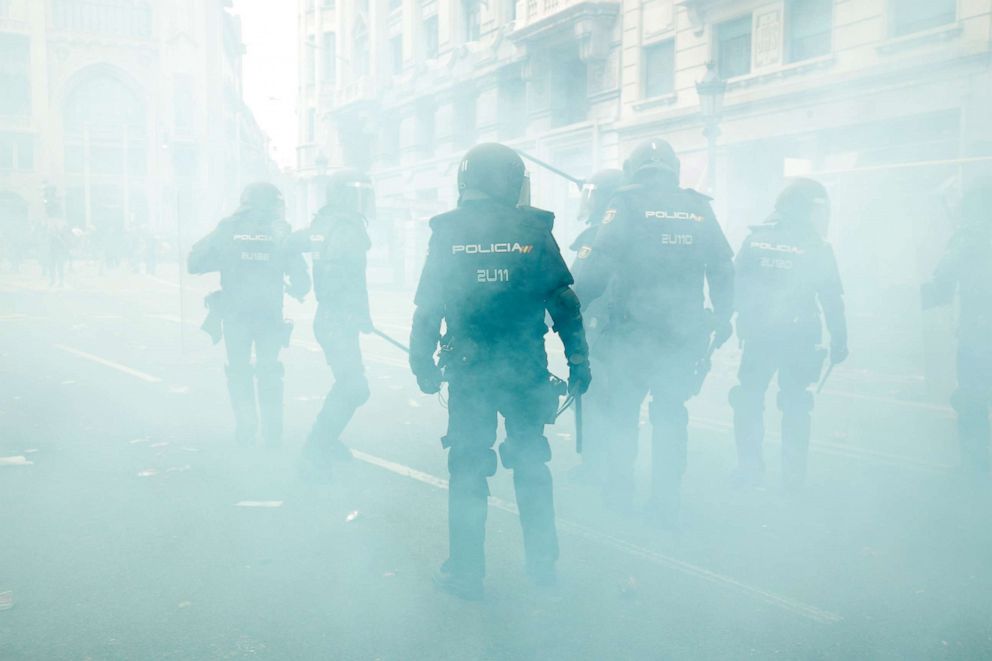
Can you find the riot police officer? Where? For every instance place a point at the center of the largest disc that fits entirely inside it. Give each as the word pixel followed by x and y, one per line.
pixel 250 250
pixel 597 193
pixel 338 242
pixel 492 270
pixel 658 246
pixel 967 268
pixel 786 274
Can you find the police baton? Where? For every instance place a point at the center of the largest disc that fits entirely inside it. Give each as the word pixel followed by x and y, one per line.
pixel 547 166
pixel 396 343
pixel 826 375
pixel 578 424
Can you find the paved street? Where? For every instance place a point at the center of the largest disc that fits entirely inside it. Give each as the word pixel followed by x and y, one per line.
pixel 131 527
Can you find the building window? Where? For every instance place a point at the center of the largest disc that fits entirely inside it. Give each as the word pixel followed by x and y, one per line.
pixel 184 103
pixel 909 16
pixel 114 18
pixel 733 47
pixel 329 67
pixel 472 10
pixel 569 92
pixel 659 69
pixel 425 128
pixel 16 152
pixel 512 108
pixel 311 135
pixel 15 76
pixel 465 118
pixel 396 54
pixel 360 54
pixel 395 4
pixel 808 24
pixel 327 4
pixel 430 37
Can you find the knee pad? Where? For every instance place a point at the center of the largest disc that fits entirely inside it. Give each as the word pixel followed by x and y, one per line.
pixel 668 411
pixel 477 461
pixel 799 401
pixel 357 391
pixel 745 398
pixel 273 370
pixel 235 372
pixel 516 453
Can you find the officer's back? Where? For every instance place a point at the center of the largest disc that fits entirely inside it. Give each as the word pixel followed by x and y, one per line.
pixel 782 268
pixel 662 242
pixel 496 278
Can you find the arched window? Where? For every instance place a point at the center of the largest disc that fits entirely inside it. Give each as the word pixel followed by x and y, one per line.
pixel 106 152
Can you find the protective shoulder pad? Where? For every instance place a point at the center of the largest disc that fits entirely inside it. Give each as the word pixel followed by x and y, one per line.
pixel 586 238
pixel 545 219
pixel 696 193
pixel 445 219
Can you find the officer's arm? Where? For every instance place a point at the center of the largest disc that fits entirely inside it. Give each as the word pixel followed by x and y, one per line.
pixel 562 303
pixel 720 271
pixel 425 335
pixel 205 255
pixel 298 275
pixel 831 296
pixel 595 267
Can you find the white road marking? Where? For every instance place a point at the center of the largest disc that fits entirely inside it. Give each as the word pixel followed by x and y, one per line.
pixel 837 449
pixel 785 603
pixel 261 504
pixel 148 378
pixel 19 460
pixel 12 316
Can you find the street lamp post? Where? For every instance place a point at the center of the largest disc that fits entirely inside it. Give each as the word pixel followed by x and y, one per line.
pixel 711 90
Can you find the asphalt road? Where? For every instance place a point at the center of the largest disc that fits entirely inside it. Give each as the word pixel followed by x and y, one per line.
pixel 131 527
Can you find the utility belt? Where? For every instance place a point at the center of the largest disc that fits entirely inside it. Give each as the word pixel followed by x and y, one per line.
pixel 468 364
pixel 220 310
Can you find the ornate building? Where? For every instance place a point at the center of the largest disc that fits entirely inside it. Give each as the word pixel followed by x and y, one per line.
pixel 122 113
pixel 888 101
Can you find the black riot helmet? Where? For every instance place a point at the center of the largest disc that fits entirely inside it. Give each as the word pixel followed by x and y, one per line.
pixel 803 200
pixel 351 190
pixel 264 199
pixel 653 157
pixel 494 170
pixel 596 194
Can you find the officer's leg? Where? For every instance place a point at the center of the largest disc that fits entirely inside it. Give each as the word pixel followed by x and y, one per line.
pixel 527 452
pixel 628 389
pixel 671 387
pixel 747 399
pixel 971 402
pixel 798 372
pixel 471 460
pixel 269 371
pixel 240 380
pixel 349 392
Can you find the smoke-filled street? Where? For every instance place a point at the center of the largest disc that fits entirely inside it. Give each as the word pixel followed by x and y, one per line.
pixel 134 527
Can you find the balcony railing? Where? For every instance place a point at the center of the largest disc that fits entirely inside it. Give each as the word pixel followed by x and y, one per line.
pixel 536 11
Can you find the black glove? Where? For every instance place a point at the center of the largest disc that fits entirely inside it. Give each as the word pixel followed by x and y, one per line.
pixel 722 331
pixel 579 377
pixel 429 379
pixel 838 353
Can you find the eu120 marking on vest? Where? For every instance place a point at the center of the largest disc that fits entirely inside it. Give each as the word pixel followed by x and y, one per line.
pixel 492 275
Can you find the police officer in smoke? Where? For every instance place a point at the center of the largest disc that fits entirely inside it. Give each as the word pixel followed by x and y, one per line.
pixel 250 250
pixel 786 274
pixel 658 246
pixel 597 193
pixel 966 268
pixel 493 269
pixel 338 242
